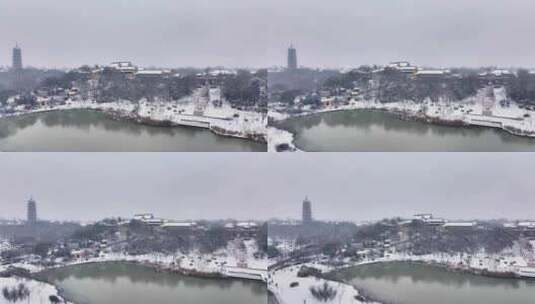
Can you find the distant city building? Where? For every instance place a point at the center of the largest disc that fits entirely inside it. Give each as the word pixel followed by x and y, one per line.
pixel 307 211
pixel 402 66
pixel 143 216
pixel 153 73
pixel 31 211
pixel 432 73
pixel 460 226
pixel 292 58
pixel 126 67
pixel 149 219
pixel 496 77
pixel 428 219
pixel 17 58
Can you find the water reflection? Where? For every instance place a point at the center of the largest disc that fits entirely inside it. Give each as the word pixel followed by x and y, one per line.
pixel 95 131
pixel 362 130
pixel 415 283
pixel 123 279
pixel 393 272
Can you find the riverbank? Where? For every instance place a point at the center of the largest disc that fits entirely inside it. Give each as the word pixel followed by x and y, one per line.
pixel 503 266
pixel 231 261
pixel 47 278
pixel 237 261
pixel 222 120
pixel 490 265
pixel 476 111
pixel 41 288
pixel 421 283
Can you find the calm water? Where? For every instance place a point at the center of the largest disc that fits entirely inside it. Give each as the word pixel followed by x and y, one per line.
pixel 134 284
pixel 403 283
pixel 82 130
pixel 378 131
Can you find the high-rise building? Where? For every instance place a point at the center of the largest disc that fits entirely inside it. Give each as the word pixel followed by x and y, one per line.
pixel 307 211
pixel 17 58
pixel 32 211
pixel 292 58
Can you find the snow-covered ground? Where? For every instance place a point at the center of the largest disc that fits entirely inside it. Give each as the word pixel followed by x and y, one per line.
pixel 280 280
pixel 480 110
pixel 194 110
pixel 5 245
pixel 39 291
pixel 233 122
pixel 505 262
pixel 277 137
pixel 510 260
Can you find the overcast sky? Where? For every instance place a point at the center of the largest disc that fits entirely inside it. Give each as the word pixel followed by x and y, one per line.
pixel 157 32
pixel 426 32
pixel 337 33
pixel 342 186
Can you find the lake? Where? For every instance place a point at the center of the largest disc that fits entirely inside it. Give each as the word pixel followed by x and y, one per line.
pixel 375 131
pixel 404 283
pixel 122 283
pixel 85 131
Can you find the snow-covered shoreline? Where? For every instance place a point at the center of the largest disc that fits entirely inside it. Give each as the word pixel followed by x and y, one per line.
pixel 288 288
pixel 40 292
pixel 232 262
pixel 223 121
pixel 222 262
pixel 473 111
pixel 506 266
pixel 278 137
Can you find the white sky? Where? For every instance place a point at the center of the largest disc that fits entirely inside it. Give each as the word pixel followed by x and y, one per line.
pixel 348 186
pixel 201 33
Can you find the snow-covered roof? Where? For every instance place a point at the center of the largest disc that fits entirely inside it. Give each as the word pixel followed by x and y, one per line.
pixel 527 224
pixel 460 224
pixel 497 72
pixel 124 66
pixel 435 220
pixel 399 64
pixel 222 72
pixel 179 224
pixel 121 64
pixel 432 72
pixel 143 216
pixel 155 221
pixel 217 72
pixel 246 224
pixel 501 72
pixel 423 216
pixel 149 72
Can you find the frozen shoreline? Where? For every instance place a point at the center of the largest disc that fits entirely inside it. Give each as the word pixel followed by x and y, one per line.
pixel 472 111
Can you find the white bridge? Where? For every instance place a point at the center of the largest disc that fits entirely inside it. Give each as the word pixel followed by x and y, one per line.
pixel 246 273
